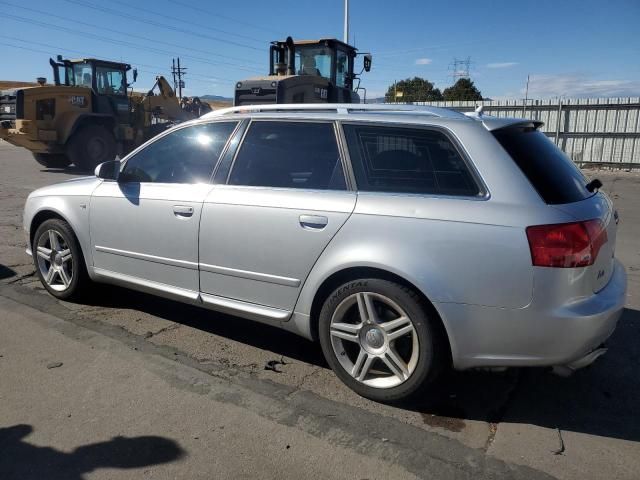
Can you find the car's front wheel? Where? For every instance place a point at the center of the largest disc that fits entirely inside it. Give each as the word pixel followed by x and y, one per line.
pixel 379 339
pixel 58 259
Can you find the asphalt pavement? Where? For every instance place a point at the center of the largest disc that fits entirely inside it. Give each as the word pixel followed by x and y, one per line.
pixel 128 385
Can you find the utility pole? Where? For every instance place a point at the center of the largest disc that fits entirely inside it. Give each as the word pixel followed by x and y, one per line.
pixel 346 21
pixel 178 72
pixel 173 72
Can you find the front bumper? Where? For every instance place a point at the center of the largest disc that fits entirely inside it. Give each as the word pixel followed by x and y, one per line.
pixel 538 335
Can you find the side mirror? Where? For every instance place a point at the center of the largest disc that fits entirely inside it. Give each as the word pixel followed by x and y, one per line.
pixel 108 170
pixel 135 74
pixel 367 62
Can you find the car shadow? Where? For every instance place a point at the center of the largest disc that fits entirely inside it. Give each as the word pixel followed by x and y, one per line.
pixel 599 400
pixel 259 335
pixel 20 460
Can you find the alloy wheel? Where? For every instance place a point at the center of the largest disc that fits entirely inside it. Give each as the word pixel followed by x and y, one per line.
pixel 374 340
pixel 55 260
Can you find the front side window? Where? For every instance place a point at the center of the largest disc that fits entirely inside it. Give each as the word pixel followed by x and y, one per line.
pixel 342 68
pixel 289 155
pixel 407 160
pixel 110 81
pixel 186 155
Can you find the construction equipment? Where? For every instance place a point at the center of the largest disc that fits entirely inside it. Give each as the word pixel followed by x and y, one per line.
pixel 89 116
pixel 306 71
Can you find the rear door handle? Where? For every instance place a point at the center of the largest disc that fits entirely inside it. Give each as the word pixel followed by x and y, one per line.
pixel 182 211
pixel 313 222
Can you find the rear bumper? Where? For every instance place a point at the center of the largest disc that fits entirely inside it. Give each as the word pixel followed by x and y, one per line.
pixel 538 335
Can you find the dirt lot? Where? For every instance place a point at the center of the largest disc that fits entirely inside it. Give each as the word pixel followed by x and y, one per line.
pixel 585 426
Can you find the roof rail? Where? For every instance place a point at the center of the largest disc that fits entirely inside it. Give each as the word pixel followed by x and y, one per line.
pixel 339 108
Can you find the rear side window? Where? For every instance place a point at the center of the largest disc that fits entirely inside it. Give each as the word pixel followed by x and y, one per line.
pixel 407 160
pixel 550 171
pixel 289 155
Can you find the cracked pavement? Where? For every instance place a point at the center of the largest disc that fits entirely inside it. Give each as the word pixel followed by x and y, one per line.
pixel 476 417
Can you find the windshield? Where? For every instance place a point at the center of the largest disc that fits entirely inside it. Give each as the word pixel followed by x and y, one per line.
pixel 314 61
pixel 109 80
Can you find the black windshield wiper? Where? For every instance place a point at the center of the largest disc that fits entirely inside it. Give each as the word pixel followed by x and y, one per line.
pixel 594 184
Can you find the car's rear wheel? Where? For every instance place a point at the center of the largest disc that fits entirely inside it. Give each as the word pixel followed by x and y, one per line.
pixel 379 339
pixel 52 160
pixel 58 259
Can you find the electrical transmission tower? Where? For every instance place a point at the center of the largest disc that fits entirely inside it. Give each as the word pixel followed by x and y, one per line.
pixel 178 72
pixel 460 68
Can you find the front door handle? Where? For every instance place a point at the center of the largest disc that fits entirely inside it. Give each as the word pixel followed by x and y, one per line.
pixel 313 222
pixel 182 211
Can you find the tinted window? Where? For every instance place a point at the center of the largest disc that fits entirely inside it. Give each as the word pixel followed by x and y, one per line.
pixel 187 155
pixel 406 160
pixel 550 171
pixel 289 155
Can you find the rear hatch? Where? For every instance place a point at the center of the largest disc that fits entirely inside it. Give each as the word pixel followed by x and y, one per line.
pixel 563 186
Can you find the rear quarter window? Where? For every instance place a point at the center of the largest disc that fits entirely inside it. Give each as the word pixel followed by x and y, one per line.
pixel 407 160
pixel 555 177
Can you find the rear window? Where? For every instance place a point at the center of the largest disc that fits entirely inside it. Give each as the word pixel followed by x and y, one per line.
pixel 550 171
pixel 407 160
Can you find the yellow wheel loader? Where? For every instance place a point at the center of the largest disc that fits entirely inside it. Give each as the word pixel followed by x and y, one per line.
pixel 89 115
pixel 306 71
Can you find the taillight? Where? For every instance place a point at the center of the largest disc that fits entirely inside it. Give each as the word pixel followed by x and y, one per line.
pixel 566 245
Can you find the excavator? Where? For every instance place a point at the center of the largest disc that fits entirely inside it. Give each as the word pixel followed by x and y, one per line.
pixel 90 114
pixel 306 71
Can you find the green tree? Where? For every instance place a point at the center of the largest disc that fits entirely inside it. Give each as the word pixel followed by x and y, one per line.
pixel 414 89
pixel 463 89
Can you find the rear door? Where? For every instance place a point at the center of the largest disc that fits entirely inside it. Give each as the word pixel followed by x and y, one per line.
pixel 562 185
pixel 285 199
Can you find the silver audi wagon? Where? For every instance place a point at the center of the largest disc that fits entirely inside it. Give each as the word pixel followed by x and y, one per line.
pixel 404 239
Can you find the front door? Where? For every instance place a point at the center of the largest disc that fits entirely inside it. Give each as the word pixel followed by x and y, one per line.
pixel 144 227
pixel 286 198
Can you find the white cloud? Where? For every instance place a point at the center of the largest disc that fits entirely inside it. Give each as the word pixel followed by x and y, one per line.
pixel 423 61
pixel 502 65
pixel 580 85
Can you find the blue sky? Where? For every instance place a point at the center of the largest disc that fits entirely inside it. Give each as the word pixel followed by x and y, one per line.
pixel 568 47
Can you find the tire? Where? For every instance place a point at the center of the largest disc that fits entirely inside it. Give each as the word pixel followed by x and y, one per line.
pixel 69 278
pixel 52 160
pixel 91 146
pixel 413 347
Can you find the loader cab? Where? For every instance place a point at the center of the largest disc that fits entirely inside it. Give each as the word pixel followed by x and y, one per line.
pixel 107 81
pixel 328 58
pixel 305 71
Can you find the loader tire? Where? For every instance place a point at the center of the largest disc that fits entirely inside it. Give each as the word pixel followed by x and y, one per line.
pixel 91 146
